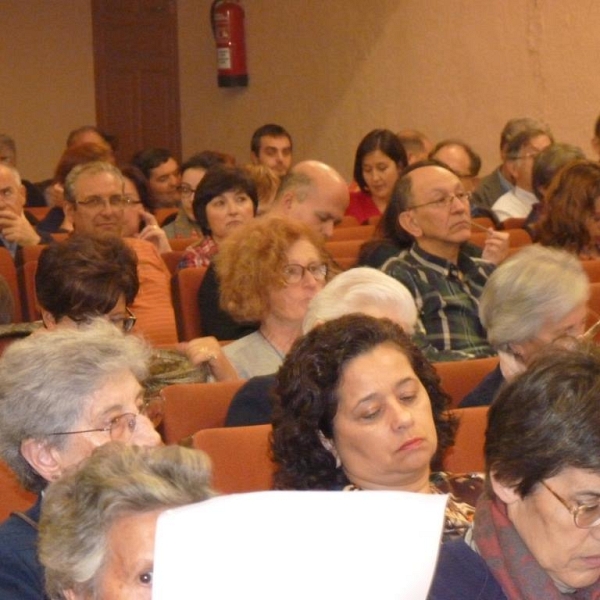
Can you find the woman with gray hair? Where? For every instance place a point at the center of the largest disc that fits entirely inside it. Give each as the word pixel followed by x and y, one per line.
pixel 361 290
pixel 98 521
pixel 62 394
pixel 535 298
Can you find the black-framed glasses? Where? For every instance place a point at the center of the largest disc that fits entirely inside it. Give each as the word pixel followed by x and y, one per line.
pixel 186 190
pixel 120 428
pixel 126 323
pixel 99 202
pixel 446 201
pixel 585 516
pixel 294 273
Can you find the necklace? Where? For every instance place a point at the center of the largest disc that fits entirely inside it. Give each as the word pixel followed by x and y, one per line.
pixel 275 348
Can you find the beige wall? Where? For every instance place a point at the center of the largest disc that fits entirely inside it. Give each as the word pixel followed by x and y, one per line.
pixel 328 71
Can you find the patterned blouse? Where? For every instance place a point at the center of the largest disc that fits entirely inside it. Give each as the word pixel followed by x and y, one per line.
pixel 464 490
pixel 199 254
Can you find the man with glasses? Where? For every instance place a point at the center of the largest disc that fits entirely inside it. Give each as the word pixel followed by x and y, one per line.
pixel 62 394
pixel 95 202
pixel 444 276
pixel 521 151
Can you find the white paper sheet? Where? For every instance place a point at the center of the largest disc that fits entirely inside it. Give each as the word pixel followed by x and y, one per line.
pixel 300 545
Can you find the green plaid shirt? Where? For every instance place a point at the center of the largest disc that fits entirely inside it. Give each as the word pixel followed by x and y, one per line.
pixel 447 298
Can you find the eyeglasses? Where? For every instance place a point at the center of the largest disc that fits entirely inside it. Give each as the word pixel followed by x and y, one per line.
pixel 131 200
pixel 584 515
pixel 570 342
pixel 186 190
pixel 126 323
pixel 120 428
pixel 295 273
pixel 99 202
pixel 446 201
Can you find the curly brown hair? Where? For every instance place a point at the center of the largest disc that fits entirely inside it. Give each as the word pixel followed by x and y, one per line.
pixel 306 398
pixel 570 201
pixel 251 260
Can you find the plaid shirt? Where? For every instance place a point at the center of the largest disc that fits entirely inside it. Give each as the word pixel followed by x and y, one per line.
pixel 447 298
pixel 199 254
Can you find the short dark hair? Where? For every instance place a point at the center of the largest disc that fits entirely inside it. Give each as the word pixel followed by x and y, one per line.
pixel 518 132
pixel 548 162
pixel 141 185
pixel 306 397
pixel 378 139
pixel 218 180
pixel 270 129
pixel 110 139
pixel 546 420
pixel 83 276
pixel 207 159
pixel 474 158
pixel 150 158
pixel 597 127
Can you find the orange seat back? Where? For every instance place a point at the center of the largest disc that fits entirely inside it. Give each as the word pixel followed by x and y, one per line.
pixel 13 497
pixel 9 272
pixel 184 286
pixel 467 455
pixel 362 232
pixel 240 457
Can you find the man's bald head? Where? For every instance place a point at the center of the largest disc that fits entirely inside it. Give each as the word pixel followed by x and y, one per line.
pixel 313 193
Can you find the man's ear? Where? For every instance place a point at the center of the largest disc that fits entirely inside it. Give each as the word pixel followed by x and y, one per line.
pixel 69 208
pixel 506 493
pixel 409 222
pixel 254 158
pixel 42 458
pixel 287 200
pixel 48 319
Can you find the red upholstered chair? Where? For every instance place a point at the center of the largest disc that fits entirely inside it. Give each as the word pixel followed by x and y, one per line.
pixel 240 457
pixel 362 232
pixel 9 272
pixel 184 287
pixel 13 497
pixel 466 456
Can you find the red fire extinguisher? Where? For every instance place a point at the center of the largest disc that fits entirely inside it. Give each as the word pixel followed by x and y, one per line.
pixel 227 20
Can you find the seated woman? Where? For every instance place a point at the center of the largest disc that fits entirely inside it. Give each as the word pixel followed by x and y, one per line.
pixel 380 157
pixel 269 271
pixel 358 407
pixel 63 393
pixel 533 299
pixel 98 522
pixel 359 290
pixel 224 200
pixel 536 526
pixel 572 214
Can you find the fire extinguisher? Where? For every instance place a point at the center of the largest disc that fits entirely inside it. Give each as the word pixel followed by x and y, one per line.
pixel 227 20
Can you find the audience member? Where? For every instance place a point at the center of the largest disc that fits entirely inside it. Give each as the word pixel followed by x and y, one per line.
pixel 572 217
pixel 90 133
pixel 360 290
pixel 461 158
pixel 17 229
pixel 271 146
pixel 358 407
pixel 379 159
pixel 184 225
pixel 502 179
pixel 536 525
pixel 267 184
pixel 161 170
pixel 8 156
pixel 444 279
pixel 521 150
pixel 537 297
pixel 314 194
pixel 416 144
pixel 98 522
pixel 96 203
pixel 62 394
pixel 269 271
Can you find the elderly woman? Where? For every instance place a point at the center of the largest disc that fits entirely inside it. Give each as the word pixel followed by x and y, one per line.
pixel 224 200
pixel 572 217
pixel 380 157
pixel 360 290
pixel 536 528
pixel 536 297
pixel 98 522
pixel 62 394
pixel 269 272
pixel 359 408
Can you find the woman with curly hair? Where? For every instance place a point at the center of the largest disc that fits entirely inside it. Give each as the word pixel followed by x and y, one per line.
pixel 269 271
pixel 359 407
pixel 572 217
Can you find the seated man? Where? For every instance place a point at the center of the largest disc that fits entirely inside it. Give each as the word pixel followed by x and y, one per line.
pixel 161 170
pixel 62 394
pixel 444 279
pixel 16 228
pixel 501 180
pixel 95 203
pixel 416 145
pixel 271 146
